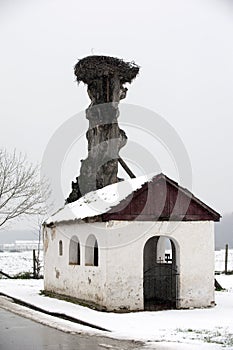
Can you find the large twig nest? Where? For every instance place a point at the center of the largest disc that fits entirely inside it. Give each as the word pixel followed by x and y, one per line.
pixel 94 67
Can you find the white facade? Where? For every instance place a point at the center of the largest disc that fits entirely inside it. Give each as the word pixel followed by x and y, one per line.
pixel 117 283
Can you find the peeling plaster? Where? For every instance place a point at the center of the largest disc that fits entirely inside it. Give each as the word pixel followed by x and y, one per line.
pixel 53 233
pixel 46 241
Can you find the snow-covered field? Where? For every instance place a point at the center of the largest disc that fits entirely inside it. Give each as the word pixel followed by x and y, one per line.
pixel 220 260
pixel 13 263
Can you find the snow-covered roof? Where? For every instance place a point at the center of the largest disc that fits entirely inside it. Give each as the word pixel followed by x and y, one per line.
pixel 107 201
pixel 100 201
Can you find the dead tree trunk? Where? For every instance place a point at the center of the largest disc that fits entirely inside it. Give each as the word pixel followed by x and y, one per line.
pixel 105 77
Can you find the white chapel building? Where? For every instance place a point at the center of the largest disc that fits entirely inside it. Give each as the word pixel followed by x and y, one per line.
pixel 140 244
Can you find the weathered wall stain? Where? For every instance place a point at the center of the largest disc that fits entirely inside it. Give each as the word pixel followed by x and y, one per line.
pixel 57 273
pixel 46 241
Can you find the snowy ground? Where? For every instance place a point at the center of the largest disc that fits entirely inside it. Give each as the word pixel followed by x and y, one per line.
pixel 13 263
pixel 179 329
pixel 176 329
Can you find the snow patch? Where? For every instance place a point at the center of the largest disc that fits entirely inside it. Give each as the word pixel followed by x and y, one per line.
pixel 100 201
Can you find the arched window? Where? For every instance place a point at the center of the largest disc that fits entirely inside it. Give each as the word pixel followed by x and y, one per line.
pixel 91 251
pixel 60 248
pixel 96 254
pixel 74 251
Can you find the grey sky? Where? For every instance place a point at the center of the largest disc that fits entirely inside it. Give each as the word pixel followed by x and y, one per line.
pixel 185 51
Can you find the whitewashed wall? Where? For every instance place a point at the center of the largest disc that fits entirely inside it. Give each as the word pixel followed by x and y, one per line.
pixel 117 283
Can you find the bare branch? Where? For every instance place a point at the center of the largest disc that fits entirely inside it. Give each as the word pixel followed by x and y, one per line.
pixel 21 190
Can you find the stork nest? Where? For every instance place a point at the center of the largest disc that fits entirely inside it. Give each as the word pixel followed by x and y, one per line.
pixel 94 67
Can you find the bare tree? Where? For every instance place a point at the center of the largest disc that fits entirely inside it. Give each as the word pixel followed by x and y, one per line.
pixel 38 228
pixel 21 190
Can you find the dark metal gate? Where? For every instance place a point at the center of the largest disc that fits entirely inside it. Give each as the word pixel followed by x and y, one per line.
pixel 160 286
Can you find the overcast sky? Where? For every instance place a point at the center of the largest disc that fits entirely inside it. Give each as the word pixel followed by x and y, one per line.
pixel 185 51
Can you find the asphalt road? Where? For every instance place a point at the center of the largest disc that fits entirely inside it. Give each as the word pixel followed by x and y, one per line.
pixel 19 333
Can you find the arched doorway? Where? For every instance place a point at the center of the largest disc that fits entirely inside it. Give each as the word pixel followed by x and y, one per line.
pixel 160 274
